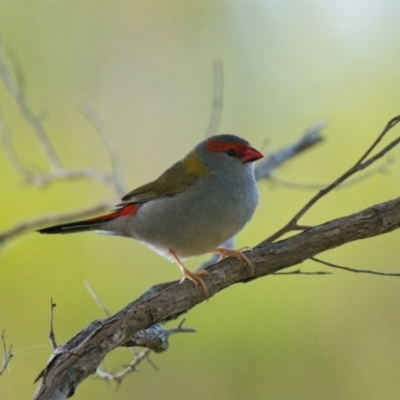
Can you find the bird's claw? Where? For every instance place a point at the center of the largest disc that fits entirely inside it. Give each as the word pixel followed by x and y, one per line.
pixel 196 278
pixel 236 254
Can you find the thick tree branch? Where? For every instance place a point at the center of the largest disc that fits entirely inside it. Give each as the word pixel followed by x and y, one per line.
pixel 71 363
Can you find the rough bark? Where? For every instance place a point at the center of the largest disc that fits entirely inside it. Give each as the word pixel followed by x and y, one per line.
pixel 71 363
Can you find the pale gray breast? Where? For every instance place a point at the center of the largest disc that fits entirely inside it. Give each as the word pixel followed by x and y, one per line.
pixel 200 219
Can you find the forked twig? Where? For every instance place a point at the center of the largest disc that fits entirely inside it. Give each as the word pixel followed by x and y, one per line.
pixel 56 171
pixel 131 367
pixel 358 166
pixel 16 93
pixel 154 339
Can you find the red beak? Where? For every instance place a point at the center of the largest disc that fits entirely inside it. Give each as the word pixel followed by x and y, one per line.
pixel 251 154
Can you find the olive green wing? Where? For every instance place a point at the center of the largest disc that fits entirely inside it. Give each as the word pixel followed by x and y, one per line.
pixel 178 178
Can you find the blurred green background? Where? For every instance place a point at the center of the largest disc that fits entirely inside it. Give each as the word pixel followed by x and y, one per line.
pixel 145 68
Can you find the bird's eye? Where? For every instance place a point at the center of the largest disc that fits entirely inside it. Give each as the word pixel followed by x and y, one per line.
pixel 231 153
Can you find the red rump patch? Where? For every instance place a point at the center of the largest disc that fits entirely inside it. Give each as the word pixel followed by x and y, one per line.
pixel 129 209
pixel 222 147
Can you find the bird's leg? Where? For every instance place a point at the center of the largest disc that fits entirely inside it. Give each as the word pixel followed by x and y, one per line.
pixel 195 277
pixel 236 254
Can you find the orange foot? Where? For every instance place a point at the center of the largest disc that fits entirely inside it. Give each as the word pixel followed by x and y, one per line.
pixel 236 254
pixel 195 277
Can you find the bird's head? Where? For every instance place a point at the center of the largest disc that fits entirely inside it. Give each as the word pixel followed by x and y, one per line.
pixel 224 153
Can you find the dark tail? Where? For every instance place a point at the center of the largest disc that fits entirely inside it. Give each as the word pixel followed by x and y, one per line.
pixel 91 224
pixel 72 227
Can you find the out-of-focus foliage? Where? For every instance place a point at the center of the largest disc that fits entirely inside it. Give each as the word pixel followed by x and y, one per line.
pixel 145 68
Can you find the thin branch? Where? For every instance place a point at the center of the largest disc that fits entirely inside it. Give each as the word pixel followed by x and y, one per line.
pixel 131 367
pixel 362 271
pixel 299 272
pixel 9 149
pixel 97 298
pixel 381 169
pixel 392 123
pixel 15 91
pixel 358 166
pixel 52 336
pixel 217 98
pixel 112 180
pixel 309 138
pixel 93 118
pixel 34 224
pixel 70 174
pixel 7 355
pixel 57 171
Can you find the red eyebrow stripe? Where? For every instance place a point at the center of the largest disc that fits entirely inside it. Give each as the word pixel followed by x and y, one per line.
pixel 222 147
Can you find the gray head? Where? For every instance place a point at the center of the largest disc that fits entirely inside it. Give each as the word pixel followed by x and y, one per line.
pixel 224 153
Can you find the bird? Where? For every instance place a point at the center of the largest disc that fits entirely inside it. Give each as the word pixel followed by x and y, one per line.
pixel 191 209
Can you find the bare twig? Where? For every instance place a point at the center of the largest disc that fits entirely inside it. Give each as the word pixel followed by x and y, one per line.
pixel 97 298
pixel 131 367
pixel 358 166
pixel 217 98
pixel 298 272
pixel 318 186
pixel 310 138
pixel 116 177
pixel 9 149
pixel 52 336
pixel 37 223
pixel 17 94
pixel 43 179
pixel 57 171
pixel 180 329
pixel 362 271
pixel 160 335
pixel 7 355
